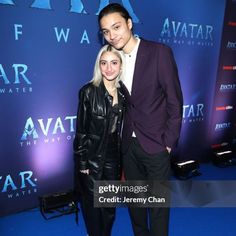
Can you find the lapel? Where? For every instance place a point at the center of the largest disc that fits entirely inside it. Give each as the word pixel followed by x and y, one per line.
pixel 108 98
pixel 124 91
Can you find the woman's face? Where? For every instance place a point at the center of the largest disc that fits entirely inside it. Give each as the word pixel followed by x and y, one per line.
pixel 110 65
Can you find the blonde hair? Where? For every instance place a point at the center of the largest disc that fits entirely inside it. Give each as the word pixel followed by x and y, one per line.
pixel 97 76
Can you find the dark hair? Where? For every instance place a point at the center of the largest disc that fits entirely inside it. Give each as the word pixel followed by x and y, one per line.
pixel 114 8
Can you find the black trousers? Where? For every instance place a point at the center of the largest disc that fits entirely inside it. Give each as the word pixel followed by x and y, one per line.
pixel 139 165
pixel 99 221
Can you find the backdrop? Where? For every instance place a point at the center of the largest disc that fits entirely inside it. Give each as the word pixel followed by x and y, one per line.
pixel 48 49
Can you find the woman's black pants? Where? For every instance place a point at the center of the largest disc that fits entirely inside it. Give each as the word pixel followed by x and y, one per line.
pixel 99 221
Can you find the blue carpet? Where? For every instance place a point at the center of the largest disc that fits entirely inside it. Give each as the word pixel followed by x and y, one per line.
pixel 183 221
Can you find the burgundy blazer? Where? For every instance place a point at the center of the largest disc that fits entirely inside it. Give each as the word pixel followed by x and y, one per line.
pixel 154 109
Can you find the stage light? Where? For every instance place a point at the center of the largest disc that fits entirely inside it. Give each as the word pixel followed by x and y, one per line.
pixel 186 169
pixel 58 204
pixel 224 157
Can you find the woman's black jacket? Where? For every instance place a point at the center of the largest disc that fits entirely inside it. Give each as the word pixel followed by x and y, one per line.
pixel 92 127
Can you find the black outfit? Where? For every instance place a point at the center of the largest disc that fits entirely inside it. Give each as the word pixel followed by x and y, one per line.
pixel 139 165
pixel 97 148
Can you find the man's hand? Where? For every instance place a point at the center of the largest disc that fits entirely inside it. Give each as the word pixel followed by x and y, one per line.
pixel 86 172
pixel 168 149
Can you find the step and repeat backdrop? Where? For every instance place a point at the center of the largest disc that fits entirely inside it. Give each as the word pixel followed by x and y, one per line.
pixel 47 52
pixel 223 125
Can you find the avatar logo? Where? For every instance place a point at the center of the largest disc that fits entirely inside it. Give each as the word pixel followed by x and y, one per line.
pixel 179 29
pixel 76 6
pixel 17 82
pixel 193 113
pixel 22 181
pixel 19 74
pixel 47 127
pixel 193 110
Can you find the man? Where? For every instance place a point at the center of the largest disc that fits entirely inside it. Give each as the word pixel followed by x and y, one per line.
pixel 153 115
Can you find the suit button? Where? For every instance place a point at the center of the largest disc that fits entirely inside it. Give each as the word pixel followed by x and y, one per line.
pixel 132 105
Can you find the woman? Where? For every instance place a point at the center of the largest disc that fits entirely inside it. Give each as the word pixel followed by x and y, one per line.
pixel 97 140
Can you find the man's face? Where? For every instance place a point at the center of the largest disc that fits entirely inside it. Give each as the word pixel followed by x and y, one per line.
pixel 116 30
